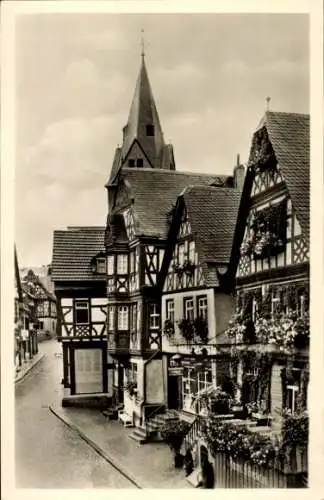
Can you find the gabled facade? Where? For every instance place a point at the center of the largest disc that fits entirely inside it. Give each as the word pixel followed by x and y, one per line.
pixel 142 190
pixel 44 303
pixel 79 276
pixel 25 320
pixel 270 266
pixel 195 307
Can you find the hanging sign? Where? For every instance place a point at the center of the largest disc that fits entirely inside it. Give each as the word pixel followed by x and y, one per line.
pixel 175 370
pixel 190 362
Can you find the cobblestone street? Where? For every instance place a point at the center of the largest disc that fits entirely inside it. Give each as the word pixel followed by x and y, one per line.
pixel 48 454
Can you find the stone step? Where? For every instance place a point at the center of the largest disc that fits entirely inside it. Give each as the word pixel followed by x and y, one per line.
pixel 111 414
pixel 139 435
pixel 163 418
pixel 137 438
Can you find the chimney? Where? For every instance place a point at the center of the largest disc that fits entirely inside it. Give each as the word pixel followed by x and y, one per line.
pixel 239 174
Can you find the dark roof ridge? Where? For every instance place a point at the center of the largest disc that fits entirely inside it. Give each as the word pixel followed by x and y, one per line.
pixel 179 172
pixel 83 228
pixel 215 189
pixel 287 113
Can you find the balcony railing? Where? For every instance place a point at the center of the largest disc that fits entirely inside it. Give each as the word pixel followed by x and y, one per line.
pixel 118 343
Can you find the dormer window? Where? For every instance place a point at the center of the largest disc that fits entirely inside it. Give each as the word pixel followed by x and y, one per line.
pixel 150 130
pixel 139 163
pixel 101 265
pixel 131 163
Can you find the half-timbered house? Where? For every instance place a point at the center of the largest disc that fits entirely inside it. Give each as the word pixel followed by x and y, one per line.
pixel 142 191
pixel 45 304
pixel 270 266
pixel 196 308
pixel 79 276
pixel 25 319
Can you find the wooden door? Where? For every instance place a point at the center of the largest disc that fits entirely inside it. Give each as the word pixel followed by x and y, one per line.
pixel 88 370
pixel 174 396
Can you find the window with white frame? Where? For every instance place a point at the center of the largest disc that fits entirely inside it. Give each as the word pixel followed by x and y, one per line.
pixel 81 312
pixel 122 263
pixel 189 311
pixel 110 265
pixel 293 388
pixel 154 317
pixel 181 255
pixel 189 388
pixel 192 251
pixel 111 318
pixel 169 306
pixel 46 308
pixel 202 307
pixel 122 318
pixel 275 305
pixel 204 381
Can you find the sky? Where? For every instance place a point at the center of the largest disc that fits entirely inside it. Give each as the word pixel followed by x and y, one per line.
pixel 75 78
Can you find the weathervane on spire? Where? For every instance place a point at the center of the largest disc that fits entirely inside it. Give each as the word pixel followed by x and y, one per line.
pixel 142 43
pixel 268 99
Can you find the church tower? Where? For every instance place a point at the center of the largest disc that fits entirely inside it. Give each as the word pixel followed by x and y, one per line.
pixel 143 142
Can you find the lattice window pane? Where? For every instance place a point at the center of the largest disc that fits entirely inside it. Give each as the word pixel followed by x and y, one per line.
pixel 122 264
pixel 110 264
pixel 123 318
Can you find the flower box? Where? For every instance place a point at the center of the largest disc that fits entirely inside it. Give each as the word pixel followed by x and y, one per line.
pixel 221 407
pixel 261 419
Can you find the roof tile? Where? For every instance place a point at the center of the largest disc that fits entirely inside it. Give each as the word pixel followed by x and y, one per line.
pixel 73 250
pixel 289 135
pixel 155 191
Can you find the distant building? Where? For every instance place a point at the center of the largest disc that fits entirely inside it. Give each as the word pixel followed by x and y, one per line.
pixel 35 289
pixel 25 320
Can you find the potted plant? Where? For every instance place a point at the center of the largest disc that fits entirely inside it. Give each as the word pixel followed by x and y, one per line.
pixel 186 326
pixel 259 414
pixel 168 329
pixel 189 267
pixel 173 433
pixel 220 401
pixel 131 387
pixel 201 328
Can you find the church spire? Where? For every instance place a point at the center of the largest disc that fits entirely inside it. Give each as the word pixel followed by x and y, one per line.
pixel 142 44
pixel 143 122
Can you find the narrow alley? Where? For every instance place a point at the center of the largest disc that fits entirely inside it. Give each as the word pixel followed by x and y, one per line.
pixel 49 454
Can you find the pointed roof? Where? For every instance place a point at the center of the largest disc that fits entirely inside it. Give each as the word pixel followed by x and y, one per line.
pixel 143 112
pixel 289 136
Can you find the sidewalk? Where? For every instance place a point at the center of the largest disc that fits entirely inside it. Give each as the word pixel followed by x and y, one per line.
pixel 27 365
pixel 149 465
